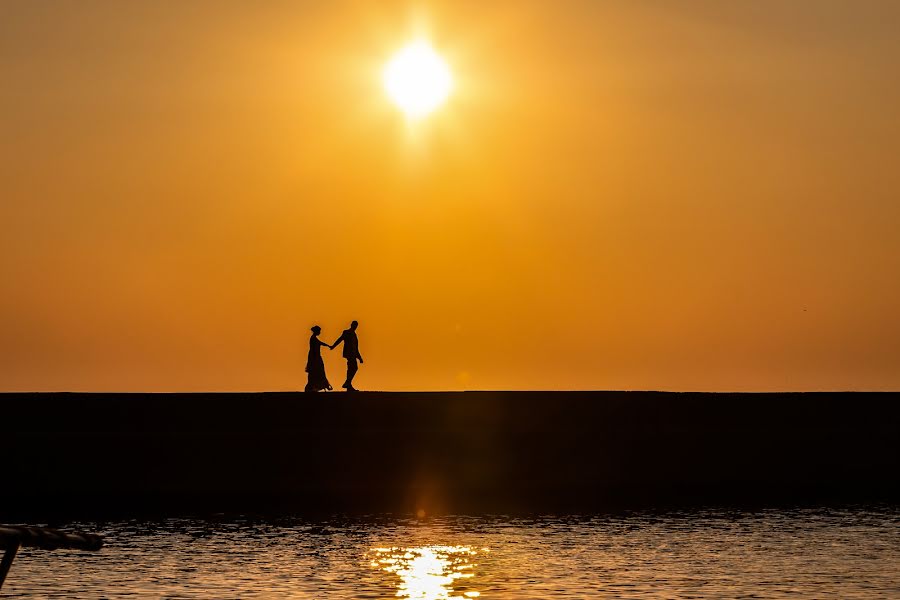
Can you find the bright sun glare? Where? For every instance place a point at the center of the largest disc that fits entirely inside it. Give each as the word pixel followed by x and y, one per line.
pixel 417 79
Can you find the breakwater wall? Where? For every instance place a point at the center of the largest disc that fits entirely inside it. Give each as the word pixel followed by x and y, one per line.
pixel 120 455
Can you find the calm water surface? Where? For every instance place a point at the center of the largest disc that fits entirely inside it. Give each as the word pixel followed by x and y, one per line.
pixel 823 553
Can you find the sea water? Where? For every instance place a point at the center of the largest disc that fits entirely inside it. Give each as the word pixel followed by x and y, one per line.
pixel 786 553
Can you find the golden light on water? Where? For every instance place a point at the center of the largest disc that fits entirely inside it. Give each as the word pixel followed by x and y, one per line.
pixel 417 79
pixel 428 572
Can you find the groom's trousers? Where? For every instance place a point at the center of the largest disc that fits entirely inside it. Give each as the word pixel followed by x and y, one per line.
pixel 352 368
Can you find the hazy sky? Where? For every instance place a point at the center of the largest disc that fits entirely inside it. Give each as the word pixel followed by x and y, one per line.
pixel 697 195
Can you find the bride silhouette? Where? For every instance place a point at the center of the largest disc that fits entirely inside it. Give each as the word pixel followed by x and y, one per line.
pixel 315 366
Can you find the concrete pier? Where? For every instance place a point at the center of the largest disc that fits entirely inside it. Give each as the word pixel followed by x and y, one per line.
pixel 121 455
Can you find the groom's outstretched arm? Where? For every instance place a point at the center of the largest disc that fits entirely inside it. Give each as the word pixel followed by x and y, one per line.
pixel 337 341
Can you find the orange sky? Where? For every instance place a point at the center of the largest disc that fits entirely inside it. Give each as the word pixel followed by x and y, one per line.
pixel 668 195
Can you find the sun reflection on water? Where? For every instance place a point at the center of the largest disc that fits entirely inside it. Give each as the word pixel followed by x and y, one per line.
pixel 428 572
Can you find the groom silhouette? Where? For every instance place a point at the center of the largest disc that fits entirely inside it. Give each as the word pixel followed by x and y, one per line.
pixel 351 353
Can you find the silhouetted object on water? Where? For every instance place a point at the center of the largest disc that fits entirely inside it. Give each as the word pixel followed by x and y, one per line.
pixel 351 353
pixel 11 538
pixel 315 366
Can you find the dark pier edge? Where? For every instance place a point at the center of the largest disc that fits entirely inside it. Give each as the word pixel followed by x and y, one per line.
pixel 130 455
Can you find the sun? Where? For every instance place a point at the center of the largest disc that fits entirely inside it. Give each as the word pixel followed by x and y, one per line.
pixel 417 79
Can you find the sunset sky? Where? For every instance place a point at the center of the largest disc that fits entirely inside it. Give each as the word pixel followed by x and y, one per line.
pixel 697 195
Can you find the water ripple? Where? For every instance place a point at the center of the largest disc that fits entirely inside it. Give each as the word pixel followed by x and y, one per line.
pixel 812 553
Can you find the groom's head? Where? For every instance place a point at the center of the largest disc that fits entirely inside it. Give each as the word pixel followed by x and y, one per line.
pixel 354 325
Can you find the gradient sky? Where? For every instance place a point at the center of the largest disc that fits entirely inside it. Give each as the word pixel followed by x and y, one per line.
pixel 697 195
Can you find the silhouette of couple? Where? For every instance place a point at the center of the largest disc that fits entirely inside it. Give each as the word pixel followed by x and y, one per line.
pixel 315 366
